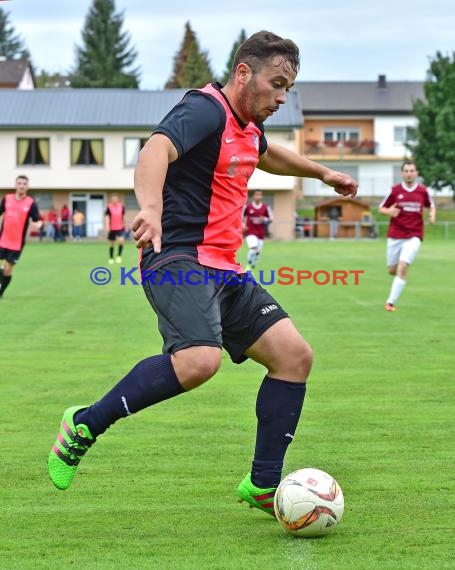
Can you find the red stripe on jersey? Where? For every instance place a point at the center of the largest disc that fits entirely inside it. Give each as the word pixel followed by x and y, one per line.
pixel 15 219
pixel 239 155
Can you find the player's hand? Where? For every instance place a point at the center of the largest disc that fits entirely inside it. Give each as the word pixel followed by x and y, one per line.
pixel 342 183
pixel 394 210
pixel 147 229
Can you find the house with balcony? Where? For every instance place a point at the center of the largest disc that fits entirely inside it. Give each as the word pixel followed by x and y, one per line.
pixel 78 146
pixel 358 127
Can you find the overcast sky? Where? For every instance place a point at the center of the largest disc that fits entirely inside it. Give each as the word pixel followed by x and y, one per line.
pixel 339 39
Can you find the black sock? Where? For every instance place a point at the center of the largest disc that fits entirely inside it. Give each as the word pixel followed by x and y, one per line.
pixel 111 252
pixel 4 282
pixel 278 408
pixel 120 249
pixel 151 381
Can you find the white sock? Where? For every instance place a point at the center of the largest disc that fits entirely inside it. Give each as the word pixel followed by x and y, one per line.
pixel 397 288
pixel 251 257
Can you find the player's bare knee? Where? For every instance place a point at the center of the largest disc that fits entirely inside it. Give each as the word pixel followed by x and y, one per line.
pixel 296 363
pixel 195 365
pixel 304 360
pixel 392 270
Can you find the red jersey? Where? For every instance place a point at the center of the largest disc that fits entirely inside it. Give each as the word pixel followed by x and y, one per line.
pixel 115 211
pixel 15 220
pixel 409 222
pixel 254 224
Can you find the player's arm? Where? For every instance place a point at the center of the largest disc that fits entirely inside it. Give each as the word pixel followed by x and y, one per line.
pixel 280 160
pixel 35 216
pixel 432 214
pixel 391 211
pixel 107 221
pixel 149 177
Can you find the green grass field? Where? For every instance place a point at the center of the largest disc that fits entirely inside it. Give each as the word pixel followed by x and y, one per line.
pixel 158 489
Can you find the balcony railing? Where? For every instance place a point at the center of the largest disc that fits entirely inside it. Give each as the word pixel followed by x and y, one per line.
pixel 340 148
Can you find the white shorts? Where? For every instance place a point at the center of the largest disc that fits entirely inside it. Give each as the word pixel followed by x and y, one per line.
pixel 253 242
pixel 402 250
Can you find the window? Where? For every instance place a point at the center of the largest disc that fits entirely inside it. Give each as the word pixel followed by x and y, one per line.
pixel 403 135
pixel 130 201
pixel 131 148
pixel 87 152
pixel 43 201
pixel 32 151
pixel 341 134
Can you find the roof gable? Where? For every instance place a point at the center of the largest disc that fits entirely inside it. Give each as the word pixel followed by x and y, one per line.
pixel 12 71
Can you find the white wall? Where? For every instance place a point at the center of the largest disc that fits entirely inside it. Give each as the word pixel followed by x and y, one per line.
pixel 27 81
pixel 383 134
pixel 60 175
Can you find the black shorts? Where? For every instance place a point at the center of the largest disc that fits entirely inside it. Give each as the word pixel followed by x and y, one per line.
pixel 114 234
pixel 10 255
pixel 201 306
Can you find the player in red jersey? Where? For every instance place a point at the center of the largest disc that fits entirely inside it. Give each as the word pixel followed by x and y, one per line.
pixel 115 227
pixel 191 182
pixel 256 216
pixel 17 208
pixel 405 205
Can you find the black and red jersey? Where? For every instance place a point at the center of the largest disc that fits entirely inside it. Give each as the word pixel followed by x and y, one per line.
pixel 116 212
pixel 17 214
pixel 206 187
pixel 411 202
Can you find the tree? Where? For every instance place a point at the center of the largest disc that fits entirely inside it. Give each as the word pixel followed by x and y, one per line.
pixel 11 44
pixel 191 65
pixel 105 59
pixel 434 146
pixel 46 79
pixel 230 62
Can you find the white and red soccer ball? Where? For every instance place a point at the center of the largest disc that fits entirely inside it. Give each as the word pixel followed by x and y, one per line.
pixel 309 502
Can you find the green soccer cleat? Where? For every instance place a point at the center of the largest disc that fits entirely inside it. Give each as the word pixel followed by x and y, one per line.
pixel 258 498
pixel 69 448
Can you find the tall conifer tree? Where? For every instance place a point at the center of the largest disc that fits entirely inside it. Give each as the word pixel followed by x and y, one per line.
pixel 105 58
pixel 230 62
pixel 11 44
pixel 191 65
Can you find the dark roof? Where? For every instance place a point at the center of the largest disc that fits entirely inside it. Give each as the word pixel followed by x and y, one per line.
pixel 107 108
pixel 342 200
pixel 358 97
pixel 12 71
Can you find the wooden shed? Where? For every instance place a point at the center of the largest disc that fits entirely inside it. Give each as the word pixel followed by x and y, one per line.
pixel 353 218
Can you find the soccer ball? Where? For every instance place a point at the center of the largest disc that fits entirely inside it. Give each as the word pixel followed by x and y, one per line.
pixel 309 502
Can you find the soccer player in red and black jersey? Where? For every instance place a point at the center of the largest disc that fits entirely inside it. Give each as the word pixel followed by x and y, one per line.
pixel 256 216
pixel 191 184
pixel 115 227
pixel 405 205
pixel 17 209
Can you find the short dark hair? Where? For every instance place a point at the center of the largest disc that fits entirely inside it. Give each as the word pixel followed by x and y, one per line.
pixel 408 163
pixel 21 177
pixel 263 46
